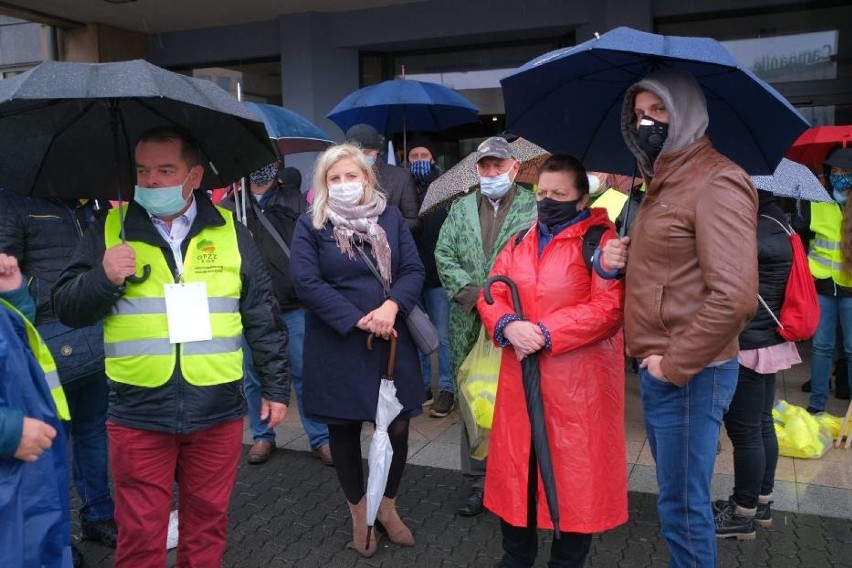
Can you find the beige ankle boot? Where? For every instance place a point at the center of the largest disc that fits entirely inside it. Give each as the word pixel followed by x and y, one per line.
pixel 359 529
pixel 398 533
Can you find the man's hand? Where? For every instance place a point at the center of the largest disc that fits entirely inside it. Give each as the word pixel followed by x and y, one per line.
pixel 36 437
pixel 273 411
pixel 526 337
pixel 10 273
pixel 119 263
pixel 615 254
pixel 652 364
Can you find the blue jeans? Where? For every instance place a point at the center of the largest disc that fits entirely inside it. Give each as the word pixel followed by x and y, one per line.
pixel 87 400
pixel 438 309
pixel 317 433
pixel 683 428
pixel 831 310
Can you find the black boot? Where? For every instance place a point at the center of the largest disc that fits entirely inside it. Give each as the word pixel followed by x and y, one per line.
pixel 763 516
pixel 734 521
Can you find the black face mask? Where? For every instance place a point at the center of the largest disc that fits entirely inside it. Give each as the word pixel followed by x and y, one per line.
pixel 652 136
pixel 552 212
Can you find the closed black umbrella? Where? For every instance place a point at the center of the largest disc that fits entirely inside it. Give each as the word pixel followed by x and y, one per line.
pixel 535 408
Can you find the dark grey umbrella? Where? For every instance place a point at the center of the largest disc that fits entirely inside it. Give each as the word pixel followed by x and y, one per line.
pixel 535 408
pixel 68 129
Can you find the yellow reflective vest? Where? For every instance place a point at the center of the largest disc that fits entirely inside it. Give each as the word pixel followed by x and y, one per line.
pixel 46 362
pixel 136 332
pixel 825 257
pixel 613 201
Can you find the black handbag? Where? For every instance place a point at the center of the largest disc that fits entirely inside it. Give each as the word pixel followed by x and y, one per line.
pixel 420 327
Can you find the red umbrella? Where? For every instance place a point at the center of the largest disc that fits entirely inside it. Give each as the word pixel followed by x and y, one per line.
pixel 812 147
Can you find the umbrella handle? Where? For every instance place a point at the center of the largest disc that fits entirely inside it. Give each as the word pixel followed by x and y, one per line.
pixel 146 272
pixel 513 288
pixel 391 356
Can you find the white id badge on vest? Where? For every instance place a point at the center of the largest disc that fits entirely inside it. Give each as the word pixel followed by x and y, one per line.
pixel 188 312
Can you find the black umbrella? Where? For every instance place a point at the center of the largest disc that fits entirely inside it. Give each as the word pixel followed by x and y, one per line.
pixel 535 408
pixel 61 125
pixel 67 129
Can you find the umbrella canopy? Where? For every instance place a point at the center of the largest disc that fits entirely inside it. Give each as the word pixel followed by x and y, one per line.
pixel 812 147
pixel 381 452
pixel 535 407
pixel 793 180
pixel 570 100
pixel 462 177
pixel 69 129
pixel 404 104
pixel 291 132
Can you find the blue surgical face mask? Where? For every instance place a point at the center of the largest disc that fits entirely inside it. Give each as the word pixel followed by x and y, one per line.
pixel 839 196
pixel 161 201
pixel 840 182
pixel 495 187
pixel 371 159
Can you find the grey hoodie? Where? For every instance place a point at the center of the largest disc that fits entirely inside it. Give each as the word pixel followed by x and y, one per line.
pixel 685 103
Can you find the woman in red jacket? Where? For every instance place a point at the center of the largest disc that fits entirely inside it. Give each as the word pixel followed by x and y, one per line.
pixel 573 320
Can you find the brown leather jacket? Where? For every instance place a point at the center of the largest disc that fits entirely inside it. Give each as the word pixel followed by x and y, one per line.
pixel 691 280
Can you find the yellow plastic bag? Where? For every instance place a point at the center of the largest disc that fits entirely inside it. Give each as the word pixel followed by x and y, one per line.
pixel 832 424
pixel 800 435
pixel 477 380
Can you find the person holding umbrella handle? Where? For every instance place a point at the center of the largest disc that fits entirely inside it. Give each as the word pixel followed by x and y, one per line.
pixel 557 442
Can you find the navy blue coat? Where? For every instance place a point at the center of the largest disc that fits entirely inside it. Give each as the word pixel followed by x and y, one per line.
pixel 341 378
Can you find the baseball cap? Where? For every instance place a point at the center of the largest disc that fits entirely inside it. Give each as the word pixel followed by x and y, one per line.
pixel 840 158
pixel 494 147
pixel 365 135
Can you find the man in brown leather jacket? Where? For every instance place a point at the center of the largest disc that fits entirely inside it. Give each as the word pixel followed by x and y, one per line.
pixel 691 285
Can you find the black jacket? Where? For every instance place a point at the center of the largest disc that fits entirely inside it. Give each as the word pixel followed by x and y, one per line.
pixel 283 218
pixel 42 235
pixel 774 259
pixel 430 229
pixel 398 185
pixel 83 294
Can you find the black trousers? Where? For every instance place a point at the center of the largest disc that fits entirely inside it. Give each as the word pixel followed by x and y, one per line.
pixel 344 441
pixel 520 544
pixel 752 433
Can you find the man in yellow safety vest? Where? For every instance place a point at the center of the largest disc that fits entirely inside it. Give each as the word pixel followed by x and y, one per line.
pixel 173 346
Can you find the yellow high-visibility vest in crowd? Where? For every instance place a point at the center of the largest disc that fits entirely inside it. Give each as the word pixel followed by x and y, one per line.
pixel 613 201
pixel 46 362
pixel 825 257
pixel 136 332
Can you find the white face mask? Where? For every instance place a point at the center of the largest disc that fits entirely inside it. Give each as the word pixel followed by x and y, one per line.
pixel 495 187
pixel 349 193
pixel 595 185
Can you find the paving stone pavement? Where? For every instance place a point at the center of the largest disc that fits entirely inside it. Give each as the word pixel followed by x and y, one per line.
pixel 291 512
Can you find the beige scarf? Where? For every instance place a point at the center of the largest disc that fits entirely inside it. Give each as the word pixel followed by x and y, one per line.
pixel 361 222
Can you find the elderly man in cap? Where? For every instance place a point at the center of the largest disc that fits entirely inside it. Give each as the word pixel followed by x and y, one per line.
pixel 477 227
pixel 395 182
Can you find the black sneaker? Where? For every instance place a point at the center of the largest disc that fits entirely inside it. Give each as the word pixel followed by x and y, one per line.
pixel 732 522
pixel 763 516
pixel 806 386
pixel 812 410
pixel 429 399
pixel 443 405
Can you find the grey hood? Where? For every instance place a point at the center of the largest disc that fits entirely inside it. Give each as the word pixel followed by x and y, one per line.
pixel 683 98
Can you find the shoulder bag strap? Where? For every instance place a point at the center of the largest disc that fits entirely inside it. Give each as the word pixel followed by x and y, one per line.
pixel 373 269
pixel 269 228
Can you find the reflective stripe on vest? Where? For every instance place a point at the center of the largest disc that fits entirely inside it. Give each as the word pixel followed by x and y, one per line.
pixel 136 334
pixel 824 256
pixel 46 362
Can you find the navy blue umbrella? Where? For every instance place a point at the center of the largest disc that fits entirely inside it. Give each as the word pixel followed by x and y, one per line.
pixel 404 104
pixel 569 100
pixel 291 132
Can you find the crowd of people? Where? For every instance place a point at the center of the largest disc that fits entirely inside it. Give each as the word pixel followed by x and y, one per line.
pixel 140 333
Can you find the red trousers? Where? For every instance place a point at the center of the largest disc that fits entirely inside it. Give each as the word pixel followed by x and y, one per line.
pixel 144 465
